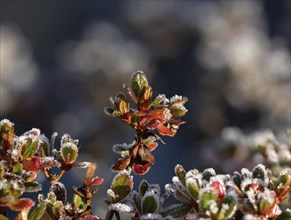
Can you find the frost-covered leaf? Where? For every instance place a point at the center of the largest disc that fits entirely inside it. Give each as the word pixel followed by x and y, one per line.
pixel 69 153
pixel 181 174
pixel 121 185
pixel 182 196
pixel 208 199
pixel 193 187
pixel 96 181
pixel 32 186
pixel 227 208
pixel 29 148
pixel 38 211
pixel 138 83
pixel 121 148
pixel 109 111
pixel 259 172
pixel 282 184
pixel 79 203
pixel 21 204
pixel 32 163
pixel 207 173
pixel 59 190
pixel 143 187
pixel 150 202
pixel 57 208
pixel 176 210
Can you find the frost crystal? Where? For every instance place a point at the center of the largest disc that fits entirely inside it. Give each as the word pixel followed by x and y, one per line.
pixel 83 165
pixel 169 188
pixel 120 207
pixel 151 193
pixel 176 98
pixel 6 121
pixel 210 170
pixel 111 193
pixel 246 173
pixel 251 197
pixel 268 196
pixel 212 208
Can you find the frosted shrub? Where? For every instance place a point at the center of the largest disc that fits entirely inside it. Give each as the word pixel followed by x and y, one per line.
pixel 249 194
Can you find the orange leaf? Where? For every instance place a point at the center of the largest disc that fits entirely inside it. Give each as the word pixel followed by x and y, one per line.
pixel 166 131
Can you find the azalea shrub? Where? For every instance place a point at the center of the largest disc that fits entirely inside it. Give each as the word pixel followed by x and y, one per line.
pixel 258 193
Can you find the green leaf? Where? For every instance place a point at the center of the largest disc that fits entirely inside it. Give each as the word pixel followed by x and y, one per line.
pixel 121 186
pixel 57 208
pixel 79 203
pixel 150 203
pixel 69 153
pixel 143 187
pixel 157 103
pixel 181 173
pixel 121 148
pixel 207 197
pixel 29 148
pixel 38 212
pixel 207 173
pixel 182 196
pixel 32 186
pixel 176 210
pixel 177 111
pixel 46 149
pixel 17 168
pixel 193 187
pixel 227 208
pixel 259 172
pixel 138 83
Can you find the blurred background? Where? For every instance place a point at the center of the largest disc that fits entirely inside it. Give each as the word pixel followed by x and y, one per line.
pixel 62 60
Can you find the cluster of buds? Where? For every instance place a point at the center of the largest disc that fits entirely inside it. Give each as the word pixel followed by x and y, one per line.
pixel 150 114
pixel 24 157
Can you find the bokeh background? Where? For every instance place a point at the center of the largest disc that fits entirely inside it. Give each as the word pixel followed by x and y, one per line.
pixel 62 60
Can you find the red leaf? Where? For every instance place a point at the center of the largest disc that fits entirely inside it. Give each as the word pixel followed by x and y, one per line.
pixel 219 189
pixel 153 146
pixel 141 169
pixel 21 204
pixel 95 181
pixel 165 131
pixel 31 164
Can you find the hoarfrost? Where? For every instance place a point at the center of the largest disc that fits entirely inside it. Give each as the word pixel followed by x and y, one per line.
pixel 150 216
pixel 209 170
pixel 120 207
pixel 176 98
pixel 151 193
pixel 6 121
pixel 267 195
pixel 212 208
